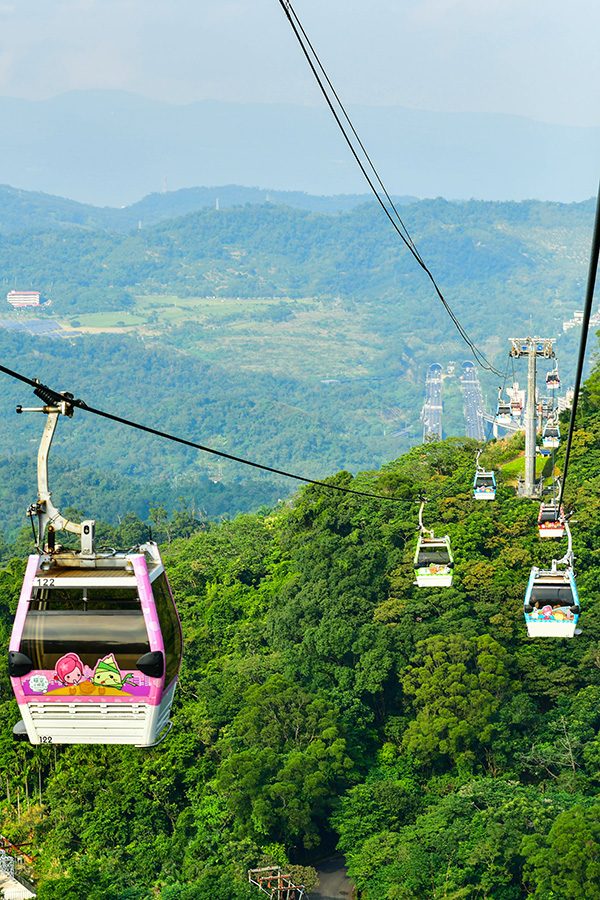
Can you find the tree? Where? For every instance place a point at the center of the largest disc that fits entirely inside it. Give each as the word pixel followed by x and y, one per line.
pixel 565 863
pixel 285 755
pixel 457 686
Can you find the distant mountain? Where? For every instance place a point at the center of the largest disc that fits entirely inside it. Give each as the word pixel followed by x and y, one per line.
pixel 112 147
pixel 498 263
pixel 33 211
pixel 257 250
pixel 157 207
pixel 290 336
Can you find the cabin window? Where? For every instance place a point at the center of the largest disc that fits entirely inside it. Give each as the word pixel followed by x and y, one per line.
pixel 91 622
pixel 551 595
pixel 436 556
pixel 169 626
pixel 549 515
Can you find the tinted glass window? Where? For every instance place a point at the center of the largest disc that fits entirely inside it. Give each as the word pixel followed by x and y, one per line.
pixel 89 622
pixel 169 626
pixel 438 557
pixel 548 595
pixel 549 515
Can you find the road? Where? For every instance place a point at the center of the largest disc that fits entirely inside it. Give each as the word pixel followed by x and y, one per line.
pixel 431 414
pixel 472 402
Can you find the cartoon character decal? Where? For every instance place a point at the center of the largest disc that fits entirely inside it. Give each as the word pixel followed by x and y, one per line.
pixel 108 675
pixel 71 677
pixel 563 615
pixel 69 670
pixel 550 613
pixel 433 569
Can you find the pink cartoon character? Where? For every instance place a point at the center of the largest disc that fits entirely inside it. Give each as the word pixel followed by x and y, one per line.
pixel 69 670
pixel 547 612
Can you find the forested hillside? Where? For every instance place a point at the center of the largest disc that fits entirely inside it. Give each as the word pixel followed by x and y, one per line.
pixel 37 211
pixel 274 250
pixel 290 336
pixel 325 701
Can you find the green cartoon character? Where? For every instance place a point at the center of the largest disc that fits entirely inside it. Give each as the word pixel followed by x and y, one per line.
pixel 108 675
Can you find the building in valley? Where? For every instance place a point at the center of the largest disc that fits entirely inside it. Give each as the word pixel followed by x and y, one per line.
pixel 22 299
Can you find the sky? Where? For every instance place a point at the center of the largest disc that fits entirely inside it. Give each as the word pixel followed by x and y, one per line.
pixel 533 58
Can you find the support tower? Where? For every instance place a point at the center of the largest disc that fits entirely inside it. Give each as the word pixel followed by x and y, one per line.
pixel 532 348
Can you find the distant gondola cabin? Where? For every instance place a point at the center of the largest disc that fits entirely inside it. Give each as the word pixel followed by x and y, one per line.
pixel 433 562
pixel 551 436
pixel 484 486
pixel 503 413
pixel 551 521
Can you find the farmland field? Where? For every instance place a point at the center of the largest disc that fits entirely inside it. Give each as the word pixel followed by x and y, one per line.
pixel 301 338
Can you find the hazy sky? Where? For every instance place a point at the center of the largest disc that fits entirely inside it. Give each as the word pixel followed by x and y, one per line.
pixel 535 58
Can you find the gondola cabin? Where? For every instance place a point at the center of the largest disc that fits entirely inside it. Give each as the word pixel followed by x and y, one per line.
pixel 484 486
pixel 551 521
pixel 516 408
pixel 433 562
pixel 503 414
pixel 95 648
pixel 551 603
pixel 552 380
pixel 550 436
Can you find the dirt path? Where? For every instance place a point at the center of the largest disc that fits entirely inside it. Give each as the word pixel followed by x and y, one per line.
pixel 334 883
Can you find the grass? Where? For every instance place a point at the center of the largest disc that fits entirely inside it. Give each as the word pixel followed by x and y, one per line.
pixel 306 338
pixel 119 320
pixel 516 467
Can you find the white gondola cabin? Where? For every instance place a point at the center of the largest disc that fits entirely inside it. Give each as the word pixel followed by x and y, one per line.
pixel 503 413
pixel 95 649
pixel 551 436
pixel 433 561
pixel 484 485
pixel 551 605
pixel 553 380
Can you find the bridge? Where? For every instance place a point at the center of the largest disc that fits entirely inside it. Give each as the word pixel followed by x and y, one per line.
pixel 431 414
pixel 472 401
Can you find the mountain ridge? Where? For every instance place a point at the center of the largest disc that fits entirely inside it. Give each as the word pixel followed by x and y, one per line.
pixel 22 210
pixel 111 147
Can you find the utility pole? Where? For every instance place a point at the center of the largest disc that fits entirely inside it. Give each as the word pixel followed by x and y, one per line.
pixel 532 348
